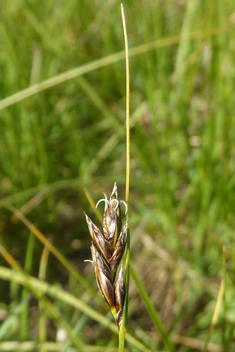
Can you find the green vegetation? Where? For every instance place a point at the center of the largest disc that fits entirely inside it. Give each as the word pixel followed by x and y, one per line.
pixel 62 123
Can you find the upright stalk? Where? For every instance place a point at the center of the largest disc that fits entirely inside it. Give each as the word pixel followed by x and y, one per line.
pixel 122 330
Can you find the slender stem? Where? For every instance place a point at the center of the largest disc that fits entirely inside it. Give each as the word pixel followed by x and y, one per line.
pixel 122 331
pixel 127 109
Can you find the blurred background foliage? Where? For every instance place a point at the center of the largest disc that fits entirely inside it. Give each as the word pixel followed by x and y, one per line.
pixel 72 135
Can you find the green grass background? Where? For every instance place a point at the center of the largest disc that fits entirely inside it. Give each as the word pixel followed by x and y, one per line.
pixel 61 135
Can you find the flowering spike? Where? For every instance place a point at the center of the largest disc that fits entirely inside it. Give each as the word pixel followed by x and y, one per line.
pixel 107 251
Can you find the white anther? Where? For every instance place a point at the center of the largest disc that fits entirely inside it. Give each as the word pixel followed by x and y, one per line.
pixel 126 207
pixel 113 200
pixel 88 261
pixel 105 199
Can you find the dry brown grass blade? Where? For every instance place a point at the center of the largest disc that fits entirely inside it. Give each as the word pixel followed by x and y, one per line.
pixel 74 272
pixel 31 204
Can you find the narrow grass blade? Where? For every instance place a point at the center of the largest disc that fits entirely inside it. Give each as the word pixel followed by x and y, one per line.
pixel 63 77
pixel 152 311
pixel 52 249
pixel 66 297
pixel 42 323
pixel 217 306
pixel 9 321
pixel 49 346
pixel 24 328
pixel 51 310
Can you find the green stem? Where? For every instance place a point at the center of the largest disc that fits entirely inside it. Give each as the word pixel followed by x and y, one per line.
pixel 122 331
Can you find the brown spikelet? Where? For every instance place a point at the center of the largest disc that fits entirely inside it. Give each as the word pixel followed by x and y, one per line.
pixel 119 249
pixel 103 277
pixel 99 240
pixel 107 251
pixel 120 295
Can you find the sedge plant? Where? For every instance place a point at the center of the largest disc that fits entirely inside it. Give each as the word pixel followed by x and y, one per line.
pixel 108 246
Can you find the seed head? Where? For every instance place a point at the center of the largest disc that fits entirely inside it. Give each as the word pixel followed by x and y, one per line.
pixel 107 250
